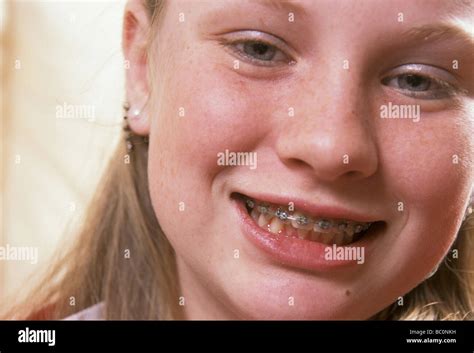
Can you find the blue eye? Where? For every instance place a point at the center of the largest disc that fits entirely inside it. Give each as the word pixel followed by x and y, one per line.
pixel 420 86
pixel 415 83
pixel 259 53
pixel 258 50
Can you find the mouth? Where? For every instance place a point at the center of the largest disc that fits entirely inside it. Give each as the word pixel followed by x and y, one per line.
pixel 300 236
pixel 290 222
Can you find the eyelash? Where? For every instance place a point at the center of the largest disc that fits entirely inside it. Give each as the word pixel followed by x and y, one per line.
pixel 233 46
pixel 443 89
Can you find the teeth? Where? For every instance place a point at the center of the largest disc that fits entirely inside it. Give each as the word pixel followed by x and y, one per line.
pixel 303 233
pixel 263 209
pixel 326 238
pixel 255 215
pixel 316 236
pixel 338 239
pixel 348 239
pixel 291 231
pixel 263 220
pixel 275 226
pixel 250 203
pixel 322 225
pixel 278 220
pixel 342 226
pixel 349 229
pixel 281 214
pixel 300 221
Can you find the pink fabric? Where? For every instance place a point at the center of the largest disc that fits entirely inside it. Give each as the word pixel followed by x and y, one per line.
pixel 95 312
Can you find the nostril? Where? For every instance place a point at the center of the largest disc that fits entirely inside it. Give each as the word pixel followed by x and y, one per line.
pixel 352 174
pixel 297 164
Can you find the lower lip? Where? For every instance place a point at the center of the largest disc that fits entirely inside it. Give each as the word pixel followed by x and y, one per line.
pixel 295 252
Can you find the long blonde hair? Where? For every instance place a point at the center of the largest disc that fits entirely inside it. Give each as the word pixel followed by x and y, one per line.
pixel 121 257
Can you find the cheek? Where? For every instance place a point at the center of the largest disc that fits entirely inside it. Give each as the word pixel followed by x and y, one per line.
pixel 426 166
pixel 198 119
pixel 220 112
pixel 427 163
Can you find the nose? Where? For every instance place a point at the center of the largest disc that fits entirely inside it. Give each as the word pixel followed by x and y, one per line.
pixel 331 133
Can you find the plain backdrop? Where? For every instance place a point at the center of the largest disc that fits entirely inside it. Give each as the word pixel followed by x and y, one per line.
pixel 54 55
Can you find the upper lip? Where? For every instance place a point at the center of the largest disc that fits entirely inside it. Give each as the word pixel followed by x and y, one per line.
pixel 330 211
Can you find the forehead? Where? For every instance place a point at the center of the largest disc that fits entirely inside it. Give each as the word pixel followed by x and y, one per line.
pixel 352 16
pixel 355 20
pixel 311 7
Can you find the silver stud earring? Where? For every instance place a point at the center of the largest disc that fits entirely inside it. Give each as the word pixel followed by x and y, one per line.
pixel 131 113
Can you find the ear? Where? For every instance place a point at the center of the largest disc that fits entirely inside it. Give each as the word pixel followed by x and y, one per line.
pixel 136 27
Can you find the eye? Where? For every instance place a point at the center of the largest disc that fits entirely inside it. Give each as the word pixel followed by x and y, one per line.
pixel 415 83
pixel 420 86
pixel 260 53
pixel 257 48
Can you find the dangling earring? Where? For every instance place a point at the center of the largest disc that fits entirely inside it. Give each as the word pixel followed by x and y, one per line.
pixel 131 113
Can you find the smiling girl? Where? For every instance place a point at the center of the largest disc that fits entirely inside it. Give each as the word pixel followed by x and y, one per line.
pixel 173 234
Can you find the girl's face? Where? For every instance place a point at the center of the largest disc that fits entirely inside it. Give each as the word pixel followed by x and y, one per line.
pixel 357 114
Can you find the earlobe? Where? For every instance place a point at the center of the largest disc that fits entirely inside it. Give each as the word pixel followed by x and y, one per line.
pixel 136 29
pixel 137 120
pixel 131 116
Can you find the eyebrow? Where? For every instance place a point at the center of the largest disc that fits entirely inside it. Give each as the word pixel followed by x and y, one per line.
pixel 439 32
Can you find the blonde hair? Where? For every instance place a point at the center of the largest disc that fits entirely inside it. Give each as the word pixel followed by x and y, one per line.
pixel 145 284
